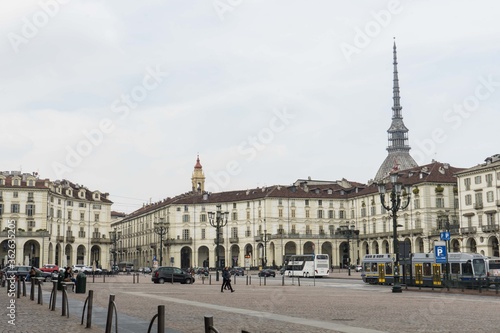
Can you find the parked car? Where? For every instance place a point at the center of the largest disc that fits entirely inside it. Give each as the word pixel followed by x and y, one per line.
pixel 24 271
pixel 202 271
pixel 165 274
pixel 50 268
pixel 81 268
pixel 147 270
pixel 359 268
pixel 237 271
pixel 266 272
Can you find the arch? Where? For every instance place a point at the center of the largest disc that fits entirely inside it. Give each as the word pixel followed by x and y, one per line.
pixel 80 254
pixel 375 247
pixel 4 249
pixel 186 257
pixel 327 248
pixel 419 245
pixel 309 248
pixel 471 245
pixel 235 255
pixel 222 256
pixel 68 255
pixel 385 247
pixel 493 247
pixel 290 248
pixel 95 256
pixel 31 253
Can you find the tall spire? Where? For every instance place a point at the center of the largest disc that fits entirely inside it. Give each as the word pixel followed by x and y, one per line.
pixel 198 178
pixel 398 148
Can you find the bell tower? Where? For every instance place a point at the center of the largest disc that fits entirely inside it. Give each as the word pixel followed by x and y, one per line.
pixel 198 178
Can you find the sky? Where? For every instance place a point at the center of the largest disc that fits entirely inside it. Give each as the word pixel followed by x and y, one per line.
pixel 122 96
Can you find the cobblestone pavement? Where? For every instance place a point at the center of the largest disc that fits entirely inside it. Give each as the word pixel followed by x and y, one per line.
pixel 334 304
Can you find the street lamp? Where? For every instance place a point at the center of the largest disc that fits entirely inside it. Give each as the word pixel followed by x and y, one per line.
pixel 217 220
pixel 115 236
pixel 161 228
pixel 348 233
pixel 394 207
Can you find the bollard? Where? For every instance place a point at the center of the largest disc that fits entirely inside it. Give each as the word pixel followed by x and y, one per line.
pixel 104 278
pixel 53 296
pixel 32 290
pixel 161 320
pixel 298 281
pixel 209 325
pixel 265 279
pixel 133 278
pixel 65 302
pixel 250 280
pixel 210 279
pixel 283 280
pixel 109 319
pixel 234 279
pixel 40 298
pixel 247 280
pixel 88 305
pixel 24 287
pixel 18 291
pixel 93 277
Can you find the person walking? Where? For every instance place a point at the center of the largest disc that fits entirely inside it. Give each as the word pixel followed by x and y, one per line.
pixel 226 280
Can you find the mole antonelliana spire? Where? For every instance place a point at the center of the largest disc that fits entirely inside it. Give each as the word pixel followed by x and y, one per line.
pixel 398 148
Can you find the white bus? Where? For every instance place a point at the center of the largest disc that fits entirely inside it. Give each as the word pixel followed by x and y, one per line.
pixel 493 268
pixel 308 265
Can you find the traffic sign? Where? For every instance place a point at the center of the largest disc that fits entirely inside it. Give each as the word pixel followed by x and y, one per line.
pixel 445 236
pixel 440 253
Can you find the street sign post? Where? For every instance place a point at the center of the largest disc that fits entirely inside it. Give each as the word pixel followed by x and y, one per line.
pixel 445 236
pixel 440 252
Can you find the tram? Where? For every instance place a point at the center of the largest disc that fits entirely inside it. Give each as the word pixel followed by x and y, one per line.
pixel 421 269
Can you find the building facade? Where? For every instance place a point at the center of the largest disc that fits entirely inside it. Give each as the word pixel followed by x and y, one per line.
pixel 52 222
pixel 479 189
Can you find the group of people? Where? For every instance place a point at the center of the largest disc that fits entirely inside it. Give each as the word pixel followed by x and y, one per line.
pixel 226 280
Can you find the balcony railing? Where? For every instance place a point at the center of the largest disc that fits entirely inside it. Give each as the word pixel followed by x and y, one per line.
pixel 234 240
pixel 490 228
pixel 100 240
pixel 469 230
pixel 221 240
pixel 59 238
pixel 70 239
pixel 181 241
pixel 478 205
pixel 43 233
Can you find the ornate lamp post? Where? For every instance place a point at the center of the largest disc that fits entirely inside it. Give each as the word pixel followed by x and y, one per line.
pixel 115 236
pixel 394 207
pixel 217 220
pixel 161 228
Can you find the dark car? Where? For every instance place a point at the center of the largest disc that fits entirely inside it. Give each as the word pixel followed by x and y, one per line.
pixel 266 272
pixel 24 271
pixel 166 274
pixel 237 271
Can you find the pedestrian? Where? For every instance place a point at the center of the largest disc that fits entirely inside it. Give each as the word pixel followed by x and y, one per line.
pixel 226 280
pixel 68 277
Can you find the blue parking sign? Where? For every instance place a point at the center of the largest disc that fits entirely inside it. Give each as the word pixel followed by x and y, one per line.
pixel 445 236
pixel 440 253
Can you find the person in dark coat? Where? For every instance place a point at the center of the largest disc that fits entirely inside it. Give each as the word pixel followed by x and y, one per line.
pixel 226 280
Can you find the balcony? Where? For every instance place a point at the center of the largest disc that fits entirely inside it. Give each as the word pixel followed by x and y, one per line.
pixel 41 233
pixel 180 241
pixel 221 240
pixel 70 239
pixel 234 240
pixel 153 245
pixel 490 228
pixel 60 239
pixel 469 230
pixel 498 203
pixel 100 241
pixel 478 205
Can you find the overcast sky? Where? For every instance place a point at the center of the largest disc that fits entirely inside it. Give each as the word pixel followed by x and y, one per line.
pixel 121 96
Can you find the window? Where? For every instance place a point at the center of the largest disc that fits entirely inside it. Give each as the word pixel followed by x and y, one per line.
pixel 203 218
pixel 186 208
pixel 248 232
pixel 308 230
pixel 82 204
pixel 248 215
pixel 490 219
pixel 30 196
pixel 234 205
pixel 96 206
pixel 235 216
pixel 234 232
pixel 82 216
pixel 185 234
pixel 30 209
pixel 363 212
pixel 416 203
pixel 96 217
pixel 373 210
pixel 320 202
pixel 185 218
pixel 489 196
pixel 479 198
pixel 341 214
pixel 307 214
pixel 203 233
pixel 280 212
pixel 31 224
pixel 477 180
pixel 69 215
pixel 15 194
pixel 293 229
pixel 307 202
pixel 320 214
pixel 14 208
pixel 96 233
pixel 331 214
pixel 280 201
pixel 70 203
pixel 467 184
pixel 281 231
pixel 331 229
pixel 293 213
pixel 352 214
pixel 59 213
pixel 1 208
pixel 439 202
pixel 81 233
pixel 468 199
pixel 489 180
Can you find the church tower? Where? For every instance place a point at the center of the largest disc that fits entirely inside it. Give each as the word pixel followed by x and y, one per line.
pixel 198 178
pixel 399 150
